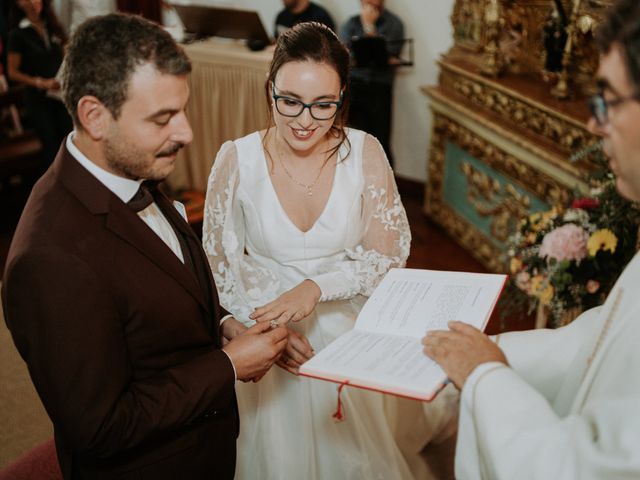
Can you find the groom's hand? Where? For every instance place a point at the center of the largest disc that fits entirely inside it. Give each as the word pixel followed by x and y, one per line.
pixel 255 350
pixel 230 329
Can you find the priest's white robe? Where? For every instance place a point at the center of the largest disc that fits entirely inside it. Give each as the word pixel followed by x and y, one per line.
pixel 568 407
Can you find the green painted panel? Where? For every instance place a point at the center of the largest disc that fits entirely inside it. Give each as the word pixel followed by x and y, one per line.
pixel 456 189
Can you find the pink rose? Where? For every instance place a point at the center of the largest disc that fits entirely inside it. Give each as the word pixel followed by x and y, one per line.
pixel 568 242
pixel 593 286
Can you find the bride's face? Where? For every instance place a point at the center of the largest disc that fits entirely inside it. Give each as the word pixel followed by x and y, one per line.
pixel 307 82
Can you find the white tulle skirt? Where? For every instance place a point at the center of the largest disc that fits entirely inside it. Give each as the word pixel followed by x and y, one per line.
pixel 287 430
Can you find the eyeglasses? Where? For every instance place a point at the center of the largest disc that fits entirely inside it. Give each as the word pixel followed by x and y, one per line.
pixel 599 106
pixel 292 107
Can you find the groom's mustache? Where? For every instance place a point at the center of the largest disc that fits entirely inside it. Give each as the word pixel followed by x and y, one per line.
pixel 171 150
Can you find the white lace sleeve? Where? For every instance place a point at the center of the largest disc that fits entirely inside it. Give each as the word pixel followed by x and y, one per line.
pixel 386 236
pixel 241 283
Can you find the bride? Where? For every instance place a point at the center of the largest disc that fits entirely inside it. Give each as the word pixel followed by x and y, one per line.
pixel 302 221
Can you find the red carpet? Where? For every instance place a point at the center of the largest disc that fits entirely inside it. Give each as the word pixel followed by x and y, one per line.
pixel 40 463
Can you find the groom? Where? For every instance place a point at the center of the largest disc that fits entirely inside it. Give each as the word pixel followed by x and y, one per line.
pixel 107 292
pixel 564 403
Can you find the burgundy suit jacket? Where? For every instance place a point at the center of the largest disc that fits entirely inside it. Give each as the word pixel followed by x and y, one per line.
pixel 121 340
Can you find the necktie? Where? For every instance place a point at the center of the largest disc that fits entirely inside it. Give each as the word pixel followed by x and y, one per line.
pixel 141 200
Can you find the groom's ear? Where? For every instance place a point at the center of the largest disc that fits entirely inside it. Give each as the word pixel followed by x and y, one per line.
pixel 94 117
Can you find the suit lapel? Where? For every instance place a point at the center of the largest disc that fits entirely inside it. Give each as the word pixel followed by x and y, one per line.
pixel 200 264
pixel 123 222
pixel 194 242
pixel 130 228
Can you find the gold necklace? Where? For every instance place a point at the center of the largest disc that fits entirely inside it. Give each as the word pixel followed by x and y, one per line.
pixel 307 187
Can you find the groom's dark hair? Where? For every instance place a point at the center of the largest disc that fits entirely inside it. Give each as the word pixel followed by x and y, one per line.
pixel 105 51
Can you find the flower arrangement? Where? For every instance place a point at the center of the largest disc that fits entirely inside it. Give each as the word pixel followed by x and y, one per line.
pixel 568 258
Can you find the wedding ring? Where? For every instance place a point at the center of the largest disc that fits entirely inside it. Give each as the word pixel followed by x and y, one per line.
pixel 274 323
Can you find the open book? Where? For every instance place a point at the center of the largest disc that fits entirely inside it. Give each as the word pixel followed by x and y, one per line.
pixel 384 351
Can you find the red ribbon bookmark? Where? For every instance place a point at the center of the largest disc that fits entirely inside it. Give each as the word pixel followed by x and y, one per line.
pixel 338 415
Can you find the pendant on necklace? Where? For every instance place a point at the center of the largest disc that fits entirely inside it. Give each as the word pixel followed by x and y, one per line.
pixel 309 191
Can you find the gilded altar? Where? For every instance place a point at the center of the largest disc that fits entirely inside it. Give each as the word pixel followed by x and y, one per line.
pixel 508 112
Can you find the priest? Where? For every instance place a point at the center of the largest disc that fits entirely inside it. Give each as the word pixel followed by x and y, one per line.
pixel 563 403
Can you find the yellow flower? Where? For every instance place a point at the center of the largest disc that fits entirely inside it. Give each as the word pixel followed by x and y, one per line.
pixel 535 217
pixel 603 239
pixel 546 295
pixel 515 265
pixel 549 216
pixel 540 220
pixel 542 289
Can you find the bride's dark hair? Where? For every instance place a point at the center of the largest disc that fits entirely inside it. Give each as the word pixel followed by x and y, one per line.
pixel 314 42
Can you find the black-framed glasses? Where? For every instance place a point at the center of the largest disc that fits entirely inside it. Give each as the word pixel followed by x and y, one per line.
pixel 292 107
pixel 600 106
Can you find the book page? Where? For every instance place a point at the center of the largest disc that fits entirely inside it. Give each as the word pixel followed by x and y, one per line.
pixel 410 302
pixel 356 357
pixel 384 352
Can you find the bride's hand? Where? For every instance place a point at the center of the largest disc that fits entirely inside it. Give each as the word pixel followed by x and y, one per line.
pixel 292 306
pixel 297 351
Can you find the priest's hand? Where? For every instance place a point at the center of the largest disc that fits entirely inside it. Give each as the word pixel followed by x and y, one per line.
pixel 460 350
pixel 255 350
pixel 298 351
pixel 292 306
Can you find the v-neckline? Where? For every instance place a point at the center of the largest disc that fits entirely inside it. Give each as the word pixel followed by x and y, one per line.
pixel 281 206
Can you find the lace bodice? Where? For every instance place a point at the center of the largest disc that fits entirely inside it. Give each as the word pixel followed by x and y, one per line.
pixel 256 252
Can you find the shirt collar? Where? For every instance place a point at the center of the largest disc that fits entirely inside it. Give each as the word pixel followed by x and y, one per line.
pixel 123 188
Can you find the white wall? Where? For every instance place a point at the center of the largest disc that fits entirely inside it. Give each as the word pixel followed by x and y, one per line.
pixel 427 22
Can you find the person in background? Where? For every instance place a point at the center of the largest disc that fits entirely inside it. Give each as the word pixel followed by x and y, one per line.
pixel 372 85
pixel 298 11
pixel 35 52
pixel 564 403
pixel 107 292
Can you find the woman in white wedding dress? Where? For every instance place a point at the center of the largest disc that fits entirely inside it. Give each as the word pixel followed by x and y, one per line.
pixel 302 221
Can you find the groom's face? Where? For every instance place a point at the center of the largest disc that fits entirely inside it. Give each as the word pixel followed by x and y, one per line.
pixel 143 142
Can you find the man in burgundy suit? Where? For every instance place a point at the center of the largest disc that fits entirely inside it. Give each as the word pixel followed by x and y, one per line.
pixel 107 292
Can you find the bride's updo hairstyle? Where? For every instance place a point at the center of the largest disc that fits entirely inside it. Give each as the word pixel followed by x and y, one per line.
pixel 314 42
